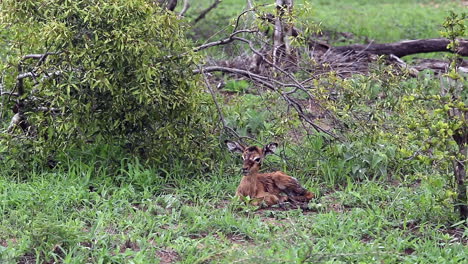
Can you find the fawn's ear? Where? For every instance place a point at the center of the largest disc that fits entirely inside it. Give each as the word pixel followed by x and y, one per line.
pixel 234 146
pixel 270 149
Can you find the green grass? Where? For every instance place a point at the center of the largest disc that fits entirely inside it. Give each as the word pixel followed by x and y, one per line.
pixel 382 21
pixel 85 215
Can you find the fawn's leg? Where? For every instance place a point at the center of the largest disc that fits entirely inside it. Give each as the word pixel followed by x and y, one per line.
pixel 291 187
pixel 269 199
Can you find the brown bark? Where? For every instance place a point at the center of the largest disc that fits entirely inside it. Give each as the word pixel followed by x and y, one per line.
pixel 460 175
pixel 404 48
pixel 459 166
pixel 438 65
pixel 168 4
pixel 282 29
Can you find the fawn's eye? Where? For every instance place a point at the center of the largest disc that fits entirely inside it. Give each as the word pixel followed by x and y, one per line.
pixel 257 160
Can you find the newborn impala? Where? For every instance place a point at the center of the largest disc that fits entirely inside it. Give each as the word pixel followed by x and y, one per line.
pixel 266 187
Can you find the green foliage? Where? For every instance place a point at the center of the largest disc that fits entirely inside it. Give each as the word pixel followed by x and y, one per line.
pixel 255 116
pixel 454 26
pixel 239 86
pixel 123 74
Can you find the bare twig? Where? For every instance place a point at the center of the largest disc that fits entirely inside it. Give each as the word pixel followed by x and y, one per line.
pixel 206 11
pixel 184 8
pixel 271 84
pixel 224 41
pixel 218 108
pixel 41 57
pixel 9 93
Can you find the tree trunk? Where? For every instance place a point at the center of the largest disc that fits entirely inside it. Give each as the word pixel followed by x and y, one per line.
pixel 460 175
pixel 282 32
pixel 406 47
pixel 459 165
pixel 455 88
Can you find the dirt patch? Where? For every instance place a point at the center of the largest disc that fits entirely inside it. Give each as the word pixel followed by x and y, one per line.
pixel 167 256
pixel 457 235
pixel 199 235
pixel 366 238
pixel 273 221
pixel 129 245
pixel 111 230
pixel 237 239
pixel 28 258
pixel 222 204
pixel 409 251
pixel 8 242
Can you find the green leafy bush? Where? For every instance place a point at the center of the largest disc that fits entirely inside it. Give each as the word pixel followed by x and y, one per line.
pixel 119 72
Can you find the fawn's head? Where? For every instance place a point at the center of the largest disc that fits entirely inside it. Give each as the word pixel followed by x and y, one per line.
pixel 253 156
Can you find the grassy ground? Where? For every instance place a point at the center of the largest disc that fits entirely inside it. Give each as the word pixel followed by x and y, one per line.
pixel 84 215
pixel 385 21
pixel 382 21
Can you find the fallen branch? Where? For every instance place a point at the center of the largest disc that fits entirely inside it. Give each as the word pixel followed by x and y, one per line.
pixel 9 93
pixel 438 65
pixel 404 48
pixel 405 67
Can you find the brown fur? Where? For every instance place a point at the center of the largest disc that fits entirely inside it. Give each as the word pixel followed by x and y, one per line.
pixel 271 188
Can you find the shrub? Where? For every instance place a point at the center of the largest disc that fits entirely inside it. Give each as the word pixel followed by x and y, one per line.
pixel 118 71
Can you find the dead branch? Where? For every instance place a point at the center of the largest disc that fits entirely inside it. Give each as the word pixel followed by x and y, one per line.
pixel 19 119
pixel 271 84
pixel 39 56
pixel 224 41
pixel 404 48
pixel 206 11
pixel 282 30
pixel 438 65
pixel 405 67
pixel 9 93
pixel 184 8
pixel 168 4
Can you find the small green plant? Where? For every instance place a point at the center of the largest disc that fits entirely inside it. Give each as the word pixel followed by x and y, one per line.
pixel 239 86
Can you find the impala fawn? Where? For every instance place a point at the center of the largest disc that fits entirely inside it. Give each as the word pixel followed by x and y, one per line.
pixel 271 188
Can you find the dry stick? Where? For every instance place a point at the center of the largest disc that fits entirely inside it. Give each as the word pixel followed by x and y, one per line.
pixel 224 41
pixel 1 94
pixel 221 116
pixel 234 33
pixel 267 82
pixel 19 86
pixel 406 47
pixel 184 8
pixel 298 85
pixel 206 11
